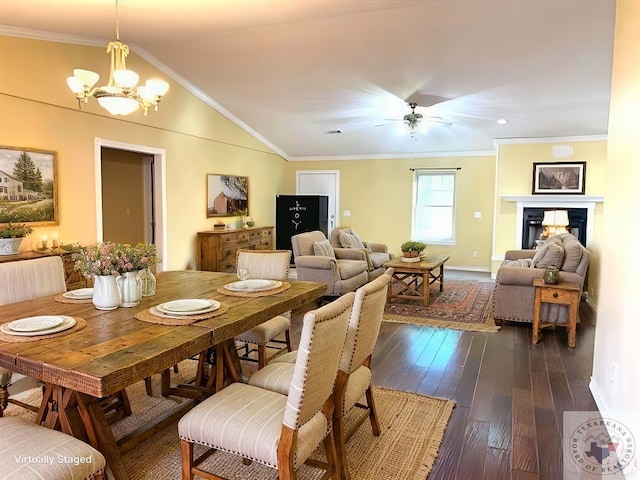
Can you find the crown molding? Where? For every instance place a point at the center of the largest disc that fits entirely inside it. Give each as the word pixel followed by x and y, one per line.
pixel 395 156
pixel 578 138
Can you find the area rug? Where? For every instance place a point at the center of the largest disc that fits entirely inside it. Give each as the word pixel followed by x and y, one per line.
pixel 463 305
pixel 412 428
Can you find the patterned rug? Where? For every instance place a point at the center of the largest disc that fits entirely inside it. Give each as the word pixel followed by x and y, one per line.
pixel 463 305
pixel 412 428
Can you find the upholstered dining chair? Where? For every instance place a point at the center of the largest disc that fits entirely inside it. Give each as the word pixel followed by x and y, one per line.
pixel 25 280
pixel 280 431
pixel 317 261
pixel 34 278
pixel 21 440
pixel 354 373
pixel 266 265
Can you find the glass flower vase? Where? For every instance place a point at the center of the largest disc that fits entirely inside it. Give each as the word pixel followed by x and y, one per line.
pixel 148 280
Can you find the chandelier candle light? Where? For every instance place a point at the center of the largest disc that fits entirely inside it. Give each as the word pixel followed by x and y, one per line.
pixel 120 96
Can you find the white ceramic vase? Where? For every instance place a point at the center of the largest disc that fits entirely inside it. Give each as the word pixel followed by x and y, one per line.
pixel 130 287
pixel 106 295
pixel 10 246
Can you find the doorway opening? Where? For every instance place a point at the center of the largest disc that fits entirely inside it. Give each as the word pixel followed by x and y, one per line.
pixel 130 195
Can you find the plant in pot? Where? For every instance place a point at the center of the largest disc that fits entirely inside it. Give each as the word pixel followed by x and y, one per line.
pixel 412 249
pixel 11 237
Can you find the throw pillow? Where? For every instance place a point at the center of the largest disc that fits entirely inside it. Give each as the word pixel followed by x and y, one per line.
pixel 323 249
pixel 520 262
pixel 572 254
pixel 550 254
pixel 350 240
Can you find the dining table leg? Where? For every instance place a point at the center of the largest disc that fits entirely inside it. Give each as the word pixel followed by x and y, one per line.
pixel 81 416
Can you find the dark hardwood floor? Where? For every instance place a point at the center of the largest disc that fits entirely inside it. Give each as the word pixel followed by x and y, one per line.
pixel 510 394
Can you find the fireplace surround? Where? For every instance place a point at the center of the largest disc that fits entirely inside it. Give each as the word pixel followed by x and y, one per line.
pixel 586 204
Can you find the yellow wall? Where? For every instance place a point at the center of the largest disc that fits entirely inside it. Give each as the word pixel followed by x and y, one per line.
pixel 379 195
pixel 616 380
pixel 515 176
pixel 38 111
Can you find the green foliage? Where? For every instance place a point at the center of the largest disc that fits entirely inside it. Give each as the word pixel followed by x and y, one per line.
pixel 413 246
pixel 27 171
pixel 15 231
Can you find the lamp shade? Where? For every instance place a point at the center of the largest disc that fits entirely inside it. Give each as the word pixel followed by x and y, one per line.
pixel 557 218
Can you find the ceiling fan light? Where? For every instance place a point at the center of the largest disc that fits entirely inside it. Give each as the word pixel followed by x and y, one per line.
pixel 75 85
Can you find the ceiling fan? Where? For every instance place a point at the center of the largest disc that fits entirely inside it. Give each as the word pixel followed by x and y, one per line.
pixel 415 122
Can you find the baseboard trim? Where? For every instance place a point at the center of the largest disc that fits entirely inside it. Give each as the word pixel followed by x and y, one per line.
pixel 597 397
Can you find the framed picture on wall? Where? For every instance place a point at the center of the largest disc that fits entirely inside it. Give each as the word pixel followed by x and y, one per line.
pixel 553 178
pixel 227 196
pixel 28 186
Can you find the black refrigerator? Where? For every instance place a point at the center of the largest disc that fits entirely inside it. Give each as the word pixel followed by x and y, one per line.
pixel 297 214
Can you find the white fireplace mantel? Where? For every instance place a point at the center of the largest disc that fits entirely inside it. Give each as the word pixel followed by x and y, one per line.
pixel 553 201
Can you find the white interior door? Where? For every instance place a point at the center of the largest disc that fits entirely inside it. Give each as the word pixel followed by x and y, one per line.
pixel 321 182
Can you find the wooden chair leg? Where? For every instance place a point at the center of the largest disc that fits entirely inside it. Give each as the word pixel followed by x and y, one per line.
pixel 262 356
pixel 287 336
pixel 373 415
pixel 187 459
pixel 339 432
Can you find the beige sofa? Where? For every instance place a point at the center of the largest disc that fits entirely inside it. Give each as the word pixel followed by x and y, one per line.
pixel 514 293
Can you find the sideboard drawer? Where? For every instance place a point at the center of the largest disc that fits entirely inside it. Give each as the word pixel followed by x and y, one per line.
pixel 217 249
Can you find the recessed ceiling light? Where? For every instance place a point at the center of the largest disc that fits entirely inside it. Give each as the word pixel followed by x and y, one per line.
pixel 502 121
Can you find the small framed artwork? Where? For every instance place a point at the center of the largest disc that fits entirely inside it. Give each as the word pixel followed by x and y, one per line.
pixel 28 186
pixel 227 196
pixel 553 178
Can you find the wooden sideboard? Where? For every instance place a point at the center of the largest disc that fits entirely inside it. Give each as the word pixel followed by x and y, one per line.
pixel 74 280
pixel 217 248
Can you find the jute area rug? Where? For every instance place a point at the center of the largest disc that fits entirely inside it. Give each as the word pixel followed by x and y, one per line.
pixel 463 305
pixel 412 429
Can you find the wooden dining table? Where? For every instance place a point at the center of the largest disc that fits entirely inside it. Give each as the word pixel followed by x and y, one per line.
pixel 116 350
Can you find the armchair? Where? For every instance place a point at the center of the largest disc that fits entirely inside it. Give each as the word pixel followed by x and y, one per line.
pixel 317 261
pixel 376 254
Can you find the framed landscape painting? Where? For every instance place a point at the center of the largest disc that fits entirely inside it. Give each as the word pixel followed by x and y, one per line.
pixel 28 186
pixel 227 196
pixel 559 178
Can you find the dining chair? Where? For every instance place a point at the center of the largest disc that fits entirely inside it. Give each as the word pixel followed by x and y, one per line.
pixel 26 280
pixel 280 431
pixel 354 374
pixel 34 278
pixel 266 265
pixel 22 441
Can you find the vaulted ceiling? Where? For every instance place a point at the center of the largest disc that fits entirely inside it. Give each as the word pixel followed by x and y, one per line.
pixel 290 71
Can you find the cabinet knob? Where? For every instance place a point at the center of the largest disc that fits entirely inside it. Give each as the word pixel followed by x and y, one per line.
pixel 555 294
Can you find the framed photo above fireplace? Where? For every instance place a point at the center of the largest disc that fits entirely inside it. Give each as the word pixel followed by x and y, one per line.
pixel 554 178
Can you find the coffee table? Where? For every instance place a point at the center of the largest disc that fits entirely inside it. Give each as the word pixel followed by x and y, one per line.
pixel 415 277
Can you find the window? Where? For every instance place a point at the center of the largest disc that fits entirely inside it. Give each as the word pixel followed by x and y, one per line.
pixel 433 206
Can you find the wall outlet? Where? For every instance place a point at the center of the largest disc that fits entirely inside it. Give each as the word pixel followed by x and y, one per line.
pixel 346 213
pixel 474 254
pixel 477 214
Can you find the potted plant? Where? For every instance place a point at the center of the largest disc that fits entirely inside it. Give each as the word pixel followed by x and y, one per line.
pixel 11 237
pixel 412 249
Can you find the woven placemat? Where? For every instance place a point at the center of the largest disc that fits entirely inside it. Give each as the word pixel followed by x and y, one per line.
pixel 263 293
pixel 80 324
pixel 152 315
pixel 60 298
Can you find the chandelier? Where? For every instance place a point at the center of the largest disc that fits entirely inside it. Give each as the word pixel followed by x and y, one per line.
pixel 120 96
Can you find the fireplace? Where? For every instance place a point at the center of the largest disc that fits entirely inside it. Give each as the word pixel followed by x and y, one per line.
pixel 582 229
pixel 532 225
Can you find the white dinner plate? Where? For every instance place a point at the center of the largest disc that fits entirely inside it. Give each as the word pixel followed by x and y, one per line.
pixel 188 306
pixel 67 322
pixel 253 285
pixel 33 324
pixel 79 294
